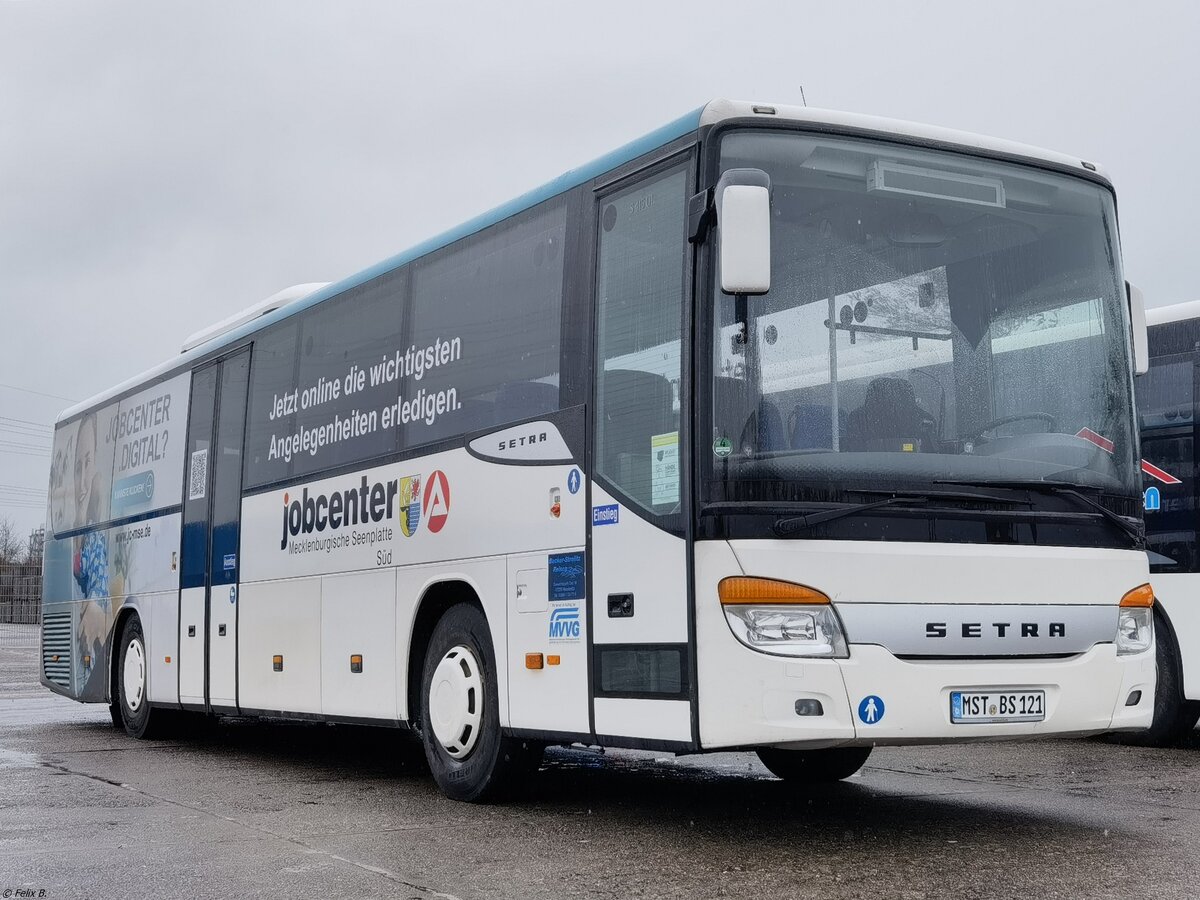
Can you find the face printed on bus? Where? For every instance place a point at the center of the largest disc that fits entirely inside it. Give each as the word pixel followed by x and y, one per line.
pixel 85 469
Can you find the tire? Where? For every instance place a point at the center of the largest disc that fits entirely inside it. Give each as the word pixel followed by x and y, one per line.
pixel 1174 717
pixel 131 701
pixel 459 719
pixel 814 766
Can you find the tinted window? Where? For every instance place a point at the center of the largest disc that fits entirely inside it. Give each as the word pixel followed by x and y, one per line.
pixel 272 376
pixel 370 373
pixel 1166 410
pixel 348 356
pixel 198 466
pixel 1165 393
pixel 1171 511
pixel 321 388
pixel 485 330
pixel 226 467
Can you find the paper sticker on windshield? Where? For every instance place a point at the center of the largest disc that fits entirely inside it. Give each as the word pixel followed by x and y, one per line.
pixel 664 468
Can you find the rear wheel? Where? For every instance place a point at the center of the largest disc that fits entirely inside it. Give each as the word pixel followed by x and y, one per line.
pixel 814 766
pixel 1174 717
pixel 132 681
pixel 460 723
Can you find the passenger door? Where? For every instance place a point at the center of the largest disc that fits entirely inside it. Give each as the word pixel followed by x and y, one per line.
pixel 641 652
pixel 211 535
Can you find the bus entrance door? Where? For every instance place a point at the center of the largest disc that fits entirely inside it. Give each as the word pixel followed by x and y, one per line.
pixel 642 652
pixel 208 600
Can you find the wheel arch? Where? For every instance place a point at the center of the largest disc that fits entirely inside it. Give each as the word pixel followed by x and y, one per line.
pixel 128 610
pixel 1161 615
pixel 435 599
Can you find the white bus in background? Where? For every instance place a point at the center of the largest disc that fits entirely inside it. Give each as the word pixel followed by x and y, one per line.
pixel 1167 414
pixel 780 429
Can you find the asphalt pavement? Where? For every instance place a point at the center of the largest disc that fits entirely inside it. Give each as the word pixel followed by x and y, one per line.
pixel 250 809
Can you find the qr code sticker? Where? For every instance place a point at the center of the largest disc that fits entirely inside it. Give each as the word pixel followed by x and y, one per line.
pixel 198 475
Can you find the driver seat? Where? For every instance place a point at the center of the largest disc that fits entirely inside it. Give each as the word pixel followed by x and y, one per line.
pixel 891 419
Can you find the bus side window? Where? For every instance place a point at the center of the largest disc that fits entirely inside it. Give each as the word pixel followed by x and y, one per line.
pixel 640 288
pixel 495 300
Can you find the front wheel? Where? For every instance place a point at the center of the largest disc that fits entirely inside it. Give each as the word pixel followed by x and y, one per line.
pixel 131 702
pixel 814 766
pixel 460 722
pixel 1174 716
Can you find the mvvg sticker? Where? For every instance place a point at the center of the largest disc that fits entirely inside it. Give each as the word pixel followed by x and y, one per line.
pixel 564 624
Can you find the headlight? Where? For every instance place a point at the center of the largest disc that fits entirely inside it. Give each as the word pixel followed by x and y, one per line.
pixel 1135 631
pixel 790 630
pixel 782 618
pixel 1135 621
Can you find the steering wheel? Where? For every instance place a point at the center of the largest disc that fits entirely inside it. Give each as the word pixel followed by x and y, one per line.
pixel 1051 423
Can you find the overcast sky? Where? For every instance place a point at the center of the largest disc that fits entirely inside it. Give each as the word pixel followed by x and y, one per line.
pixel 165 164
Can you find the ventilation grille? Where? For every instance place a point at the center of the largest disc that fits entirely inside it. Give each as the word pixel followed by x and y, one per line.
pixel 56 648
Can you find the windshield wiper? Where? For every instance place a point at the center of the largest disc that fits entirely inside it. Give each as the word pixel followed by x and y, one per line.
pixel 793 524
pixel 1060 489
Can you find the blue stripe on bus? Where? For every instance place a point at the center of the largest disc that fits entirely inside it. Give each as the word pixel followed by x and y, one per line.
pixel 560 185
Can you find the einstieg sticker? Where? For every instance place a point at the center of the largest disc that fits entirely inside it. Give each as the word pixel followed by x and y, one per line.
pixel 605 515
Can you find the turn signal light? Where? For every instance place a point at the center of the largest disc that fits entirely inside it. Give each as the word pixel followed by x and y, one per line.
pixel 533 660
pixel 1141 596
pixel 740 589
pixel 277 663
pixel 553 660
pixel 356 663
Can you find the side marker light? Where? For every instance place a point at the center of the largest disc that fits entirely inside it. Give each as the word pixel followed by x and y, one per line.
pixel 1140 596
pixel 742 589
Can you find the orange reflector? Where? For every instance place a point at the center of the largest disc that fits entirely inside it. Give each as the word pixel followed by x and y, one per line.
pixel 167 660
pixel 356 663
pixel 1142 595
pixel 277 663
pixel 553 660
pixel 741 589
pixel 533 660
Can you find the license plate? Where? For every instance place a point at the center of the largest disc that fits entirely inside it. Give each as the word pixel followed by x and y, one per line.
pixel 997 706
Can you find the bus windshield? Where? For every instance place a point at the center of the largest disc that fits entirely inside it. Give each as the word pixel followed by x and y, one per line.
pixel 933 318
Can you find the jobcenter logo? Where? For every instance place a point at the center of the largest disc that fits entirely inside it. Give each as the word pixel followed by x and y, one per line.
pixel 368 504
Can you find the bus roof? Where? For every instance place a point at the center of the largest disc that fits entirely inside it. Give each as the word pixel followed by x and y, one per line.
pixel 1177 312
pixel 713 113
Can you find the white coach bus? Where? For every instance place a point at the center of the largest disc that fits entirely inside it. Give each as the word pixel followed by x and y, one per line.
pixel 1167 412
pixel 779 429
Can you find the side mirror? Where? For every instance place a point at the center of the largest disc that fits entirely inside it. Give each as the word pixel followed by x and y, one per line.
pixel 1141 338
pixel 743 201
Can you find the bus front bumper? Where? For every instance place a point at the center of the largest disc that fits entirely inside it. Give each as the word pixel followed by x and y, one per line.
pixel 1085 694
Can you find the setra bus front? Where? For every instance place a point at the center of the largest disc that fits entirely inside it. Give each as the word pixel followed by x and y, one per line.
pixel 917 466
